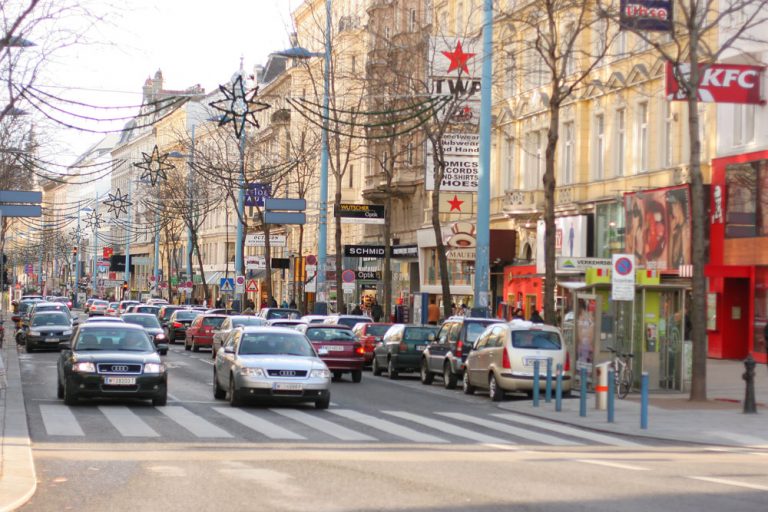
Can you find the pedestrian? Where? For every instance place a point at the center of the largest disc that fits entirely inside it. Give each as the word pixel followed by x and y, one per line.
pixel 433 312
pixel 218 302
pixel 250 304
pixel 518 315
pixel 376 311
pixel 205 303
pixel 272 302
pixel 536 318
pixel 462 309
pixel 292 305
pixel 284 304
pixel 263 303
pixel 357 310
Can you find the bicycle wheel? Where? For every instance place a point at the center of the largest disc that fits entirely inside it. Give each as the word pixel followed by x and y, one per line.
pixel 625 383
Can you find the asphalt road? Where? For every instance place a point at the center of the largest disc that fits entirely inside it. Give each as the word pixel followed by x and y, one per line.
pixel 383 445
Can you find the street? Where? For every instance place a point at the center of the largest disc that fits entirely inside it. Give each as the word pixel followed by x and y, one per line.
pixel 383 445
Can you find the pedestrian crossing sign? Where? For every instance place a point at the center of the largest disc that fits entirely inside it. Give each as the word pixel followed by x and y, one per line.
pixel 226 285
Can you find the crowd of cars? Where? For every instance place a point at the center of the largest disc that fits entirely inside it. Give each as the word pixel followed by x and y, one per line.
pixel 278 353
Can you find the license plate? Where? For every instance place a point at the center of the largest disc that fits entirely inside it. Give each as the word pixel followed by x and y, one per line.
pixel 334 348
pixel 287 386
pixel 420 347
pixel 51 340
pixel 120 381
pixel 542 363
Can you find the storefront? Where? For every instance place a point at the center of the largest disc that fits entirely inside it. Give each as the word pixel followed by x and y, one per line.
pixel 523 289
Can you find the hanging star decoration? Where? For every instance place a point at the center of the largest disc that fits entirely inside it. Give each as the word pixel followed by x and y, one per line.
pixel 237 107
pixel 458 58
pixel 93 220
pixel 155 166
pixel 118 203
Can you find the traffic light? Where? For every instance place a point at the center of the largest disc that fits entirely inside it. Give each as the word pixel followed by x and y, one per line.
pixel 74 251
pixel 125 286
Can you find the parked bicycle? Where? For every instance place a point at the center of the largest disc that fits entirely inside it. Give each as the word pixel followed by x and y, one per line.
pixel 622 372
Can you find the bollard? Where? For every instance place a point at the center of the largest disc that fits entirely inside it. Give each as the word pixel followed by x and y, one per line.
pixel 536 383
pixel 750 407
pixel 611 393
pixel 601 386
pixel 548 392
pixel 559 389
pixel 644 401
pixel 583 393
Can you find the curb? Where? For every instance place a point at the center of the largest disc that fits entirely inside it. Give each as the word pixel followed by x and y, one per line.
pixel 18 480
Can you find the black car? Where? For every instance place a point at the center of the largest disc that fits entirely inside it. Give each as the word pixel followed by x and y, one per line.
pixel 111 360
pixel 447 354
pixel 46 329
pixel 401 349
pixel 176 328
pixel 151 326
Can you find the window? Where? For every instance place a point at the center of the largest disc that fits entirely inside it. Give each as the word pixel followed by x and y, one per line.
pixel 741 182
pixel 351 173
pixel 353 64
pixel 599 146
pixel 508 164
pixel 568 150
pixel 510 83
pixel 412 21
pixel 621 140
pixel 386 34
pixel 642 136
pixel 534 161
pixel 743 124
pixel 409 153
pixel 620 45
pixel 459 18
pixel 667 128
pixel 600 35
pixel 570 62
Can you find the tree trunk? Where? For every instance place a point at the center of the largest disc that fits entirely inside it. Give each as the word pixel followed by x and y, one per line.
pixel 387 273
pixel 267 260
pixel 300 301
pixel 549 183
pixel 196 246
pixel 339 249
pixel 442 257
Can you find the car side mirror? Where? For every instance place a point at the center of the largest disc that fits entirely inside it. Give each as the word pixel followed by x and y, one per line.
pixel 430 337
pixel 229 350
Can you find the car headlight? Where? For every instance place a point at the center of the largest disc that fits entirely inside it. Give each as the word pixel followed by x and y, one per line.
pixel 160 336
pixel 154 368
pixel 320 374
pixel 84 367
pixel 68 332
pixel 252 372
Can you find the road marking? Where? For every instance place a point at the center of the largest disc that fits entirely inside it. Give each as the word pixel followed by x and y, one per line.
pixel 388 426
pixel 562 429
pixel 59 421
pixel 174 398
pixel 448 428
pixel 195 424
pixel 610 464
pixel 324 426
pixel 126 422
pixel 260 425
pixel 734 483
pixel 509 429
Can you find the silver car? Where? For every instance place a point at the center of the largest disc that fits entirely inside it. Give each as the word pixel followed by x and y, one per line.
pixel 221 334
pixel 270 363
pixel 502 358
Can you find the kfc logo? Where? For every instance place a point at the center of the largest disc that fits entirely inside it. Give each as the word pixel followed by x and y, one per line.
pixel 719 83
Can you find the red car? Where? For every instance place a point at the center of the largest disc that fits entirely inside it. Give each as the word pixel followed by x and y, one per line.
pixel 369 334
pixel 338 347
pixel 200 332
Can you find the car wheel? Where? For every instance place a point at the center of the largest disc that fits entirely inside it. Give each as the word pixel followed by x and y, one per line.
pixel 357 376
pixel 160 401
pixel 375 368
pixel 218 392
pixel 425 374
pixel 391 372
pixel 324 402
pixel 450 379
pixel 495 393
pixel 59 388
pixel 234 396
pixel 70 396
pixel 468 388
pixel 195 348
pixel 164 353
pixel 186 345
pixel 336 376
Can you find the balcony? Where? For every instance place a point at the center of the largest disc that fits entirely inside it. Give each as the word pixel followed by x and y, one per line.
pixel 523 202
pixel 403 185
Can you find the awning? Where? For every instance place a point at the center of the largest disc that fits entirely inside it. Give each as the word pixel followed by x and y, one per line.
pixel 572 285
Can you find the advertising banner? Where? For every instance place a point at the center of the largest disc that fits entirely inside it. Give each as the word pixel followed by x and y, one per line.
pixel 648 15
pixel 718 83
pixel 361 213
pixel 571 235
pixel 587 330
pixel 461 152
pixel 255 194
pixel 258 240
pixel 456 70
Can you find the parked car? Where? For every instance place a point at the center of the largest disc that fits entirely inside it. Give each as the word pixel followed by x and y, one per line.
pixel 22 310
pixel 39 306
pixel 270 363
pixel 47 329
pixel 503 356
pixel 370 333
pixel 123 306
pixel 401 349
pixel 343 351
pixel 15 304
pixel 446 355
pixel 200 332
pixel 287 313
pixel 180 320
pixel 230 323
pixel 348 320
pixel 111 359
pixel 112 309
pixel 97 307
pixel 151 326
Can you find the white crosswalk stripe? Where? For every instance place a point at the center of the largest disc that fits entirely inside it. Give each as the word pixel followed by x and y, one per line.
pixel 569 431
pixel 324 426
pixel 448 428
pixel 126 422
pixel 511 430
pixel 388 426
pixel 192 422
pixel 60 421
pixel 260 425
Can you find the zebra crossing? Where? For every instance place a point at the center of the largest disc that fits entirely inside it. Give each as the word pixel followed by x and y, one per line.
pixel 337 424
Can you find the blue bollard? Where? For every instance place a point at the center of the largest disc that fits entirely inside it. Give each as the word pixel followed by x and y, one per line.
pixel 644 401
pixel 536 383
pixel 611 392
pixel 559 389
pixel 583 393
pixel 548 392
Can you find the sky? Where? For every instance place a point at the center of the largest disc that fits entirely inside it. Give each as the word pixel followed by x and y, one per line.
pixel 192 42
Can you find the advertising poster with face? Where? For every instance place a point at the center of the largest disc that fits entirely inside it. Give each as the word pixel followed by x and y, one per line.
pixel 586 331
pixel 658 227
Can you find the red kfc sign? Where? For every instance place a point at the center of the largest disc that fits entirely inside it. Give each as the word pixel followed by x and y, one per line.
pixel 719 83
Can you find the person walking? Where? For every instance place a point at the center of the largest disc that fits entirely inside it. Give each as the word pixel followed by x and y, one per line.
pixel 292 305
pixel 433 312
pixel 357 310
pixel 376 311
pixel 284 304
pixel 536 317
pixel 272 302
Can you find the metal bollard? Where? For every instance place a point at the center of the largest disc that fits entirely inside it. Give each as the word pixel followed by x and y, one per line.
pixel 750 407
pixel 583 393
pixel 559 389
pixel 548 392
pixel 536 383
pixel 644 401
pixel 611 392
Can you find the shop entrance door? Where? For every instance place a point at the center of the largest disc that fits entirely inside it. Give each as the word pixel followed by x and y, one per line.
pixel 530 305
pixel 671 333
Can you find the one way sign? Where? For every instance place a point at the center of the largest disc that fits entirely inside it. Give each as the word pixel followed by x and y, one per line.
pixel 226 285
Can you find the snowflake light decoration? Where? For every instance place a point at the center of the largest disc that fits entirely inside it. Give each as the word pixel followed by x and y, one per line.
pixel 118 203
pixel 93 220
pixel 155 166
pixel 237 107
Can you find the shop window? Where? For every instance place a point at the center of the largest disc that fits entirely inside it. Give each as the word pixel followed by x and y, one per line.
pixel 744 215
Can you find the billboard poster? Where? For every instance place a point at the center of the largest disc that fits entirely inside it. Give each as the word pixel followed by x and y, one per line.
pixel 571 233
pixel 461 152
pixel 647 15
pixel 718 83
pixel 456 69
pixel 658 227
pixel 255 193
pixel 586 330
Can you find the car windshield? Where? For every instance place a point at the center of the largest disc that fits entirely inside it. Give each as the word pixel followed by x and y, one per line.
pixel 167 312
pixel 275 343
pixel 187 315
pixel 147 322
pixel 213 321
pixel 377 330
pixel 113 338
pixel 100 303
pixel 538 340
pixel 247 320
pixel 147 309
pixel 24 306
pixel 113 304
pixel 283 313
pixel 52 318
pixel 317 334
pixel 418 333
pixel 52 307
pixel 475 329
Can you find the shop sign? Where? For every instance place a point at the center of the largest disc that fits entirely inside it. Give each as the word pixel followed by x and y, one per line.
pixel 361 213
pixel 368 275
pixel 364 251
pixel 259 239
pixel 648 15
pixel 462 163
pixel 404 251
pixel 255 263
pixel 718 83
pixel 566 263
pixel 456 71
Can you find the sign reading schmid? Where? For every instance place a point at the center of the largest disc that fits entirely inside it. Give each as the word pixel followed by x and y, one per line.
pixel 364 251
pixel 718 83
pixel 361 213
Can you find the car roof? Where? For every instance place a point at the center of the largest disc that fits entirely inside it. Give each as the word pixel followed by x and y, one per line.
pixel 527 325
pixel 265 329
pixel 213 315
pixel 91 325
pixel 329 326
pixel 459 318
pixel 105 319
pixel 146 315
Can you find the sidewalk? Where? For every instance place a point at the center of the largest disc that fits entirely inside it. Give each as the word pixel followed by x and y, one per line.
pixel 672 416
pixel 17 471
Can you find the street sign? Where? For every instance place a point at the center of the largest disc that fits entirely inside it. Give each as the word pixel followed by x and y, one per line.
pixel 255 263
pixel 296 205
pixel 253 286
pixel 226 285
pixel 256 193
pixel 348 276
pixel 240 280
pixel 107 252
pixel 623 277
pixel 348 287
pixel 285 218
pixel 19 196
pixel 189 284
pixel 258 240
pixel 293 211
pixel 21 210
pixel 311 259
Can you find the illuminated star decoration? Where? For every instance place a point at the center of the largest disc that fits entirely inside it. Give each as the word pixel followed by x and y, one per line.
pixel 93 220
pixel 154 166
pixel 237 108
pixel 455 203
pixel 118 203
pixel 458 58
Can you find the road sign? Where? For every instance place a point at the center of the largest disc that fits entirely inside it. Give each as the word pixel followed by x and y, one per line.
pixel 29 268
pixel 285 218
pixel 348 287
pixel 311 259
pixel 152 278
pixel 296 205
pixel 226 285
pixel 293 211
pixel 348 276
pixel 163 285
pixel 18 196
pixel 623 277
pixel 253 286
pixel 107 252
pixel 240 280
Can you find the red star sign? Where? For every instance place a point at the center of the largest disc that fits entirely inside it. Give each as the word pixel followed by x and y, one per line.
pixel 458 58
pixel 455 203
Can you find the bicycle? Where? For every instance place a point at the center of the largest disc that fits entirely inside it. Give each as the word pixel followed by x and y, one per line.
pixel 622 372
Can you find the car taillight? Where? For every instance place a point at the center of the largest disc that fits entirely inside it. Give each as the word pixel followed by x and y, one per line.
pixel 567 366
pixel 505 362
pixel 359 349
pixel 403 346
pixel 177 324
pixel 459 348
